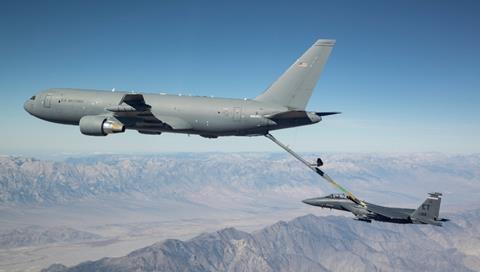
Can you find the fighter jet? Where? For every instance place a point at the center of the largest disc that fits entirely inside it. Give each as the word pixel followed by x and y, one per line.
pixel 427 213
pixel 282 105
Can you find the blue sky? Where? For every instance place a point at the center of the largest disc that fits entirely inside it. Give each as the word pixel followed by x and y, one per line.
pixel 405 74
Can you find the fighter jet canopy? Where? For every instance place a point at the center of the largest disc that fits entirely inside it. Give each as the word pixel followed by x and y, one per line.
pixel 336 196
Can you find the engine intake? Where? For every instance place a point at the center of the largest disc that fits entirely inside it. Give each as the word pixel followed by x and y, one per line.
pixel 96 125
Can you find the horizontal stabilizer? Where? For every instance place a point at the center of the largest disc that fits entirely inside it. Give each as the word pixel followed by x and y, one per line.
pixel 429 221
pixel 287 115
pixel 295 116
pixel 327 113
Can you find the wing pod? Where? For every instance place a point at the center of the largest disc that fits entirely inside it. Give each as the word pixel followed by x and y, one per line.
pixel 98 125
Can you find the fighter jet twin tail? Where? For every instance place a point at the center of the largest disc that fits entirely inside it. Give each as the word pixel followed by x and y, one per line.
pixel 282 105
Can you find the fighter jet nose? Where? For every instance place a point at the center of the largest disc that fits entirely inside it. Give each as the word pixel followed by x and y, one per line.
pixel 310 201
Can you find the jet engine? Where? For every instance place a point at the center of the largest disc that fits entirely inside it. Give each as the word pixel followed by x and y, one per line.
pixel 96 125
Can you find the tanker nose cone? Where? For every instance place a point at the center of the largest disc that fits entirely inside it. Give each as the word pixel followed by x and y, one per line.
pixel 28 106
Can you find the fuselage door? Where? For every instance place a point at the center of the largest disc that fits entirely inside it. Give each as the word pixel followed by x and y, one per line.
pixel 237 112
pixel 47 101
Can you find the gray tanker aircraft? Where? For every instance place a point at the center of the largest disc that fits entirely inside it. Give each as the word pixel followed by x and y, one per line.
pixel 282 105
pixel 427 213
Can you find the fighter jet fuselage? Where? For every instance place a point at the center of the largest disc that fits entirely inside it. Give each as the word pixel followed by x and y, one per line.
pixel 427 213
pixel 99 113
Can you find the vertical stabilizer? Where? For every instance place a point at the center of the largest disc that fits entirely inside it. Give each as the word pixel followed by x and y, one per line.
pixel 294 88
pixel 429 211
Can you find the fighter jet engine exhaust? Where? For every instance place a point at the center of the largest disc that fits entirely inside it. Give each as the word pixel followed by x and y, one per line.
pixel 100 126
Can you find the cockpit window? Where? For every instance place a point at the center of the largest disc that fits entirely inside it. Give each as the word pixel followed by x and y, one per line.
pixel 337 196
pixel 32 98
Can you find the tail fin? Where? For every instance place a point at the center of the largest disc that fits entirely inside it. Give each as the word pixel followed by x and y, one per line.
pixel 294 88
pixel 428 212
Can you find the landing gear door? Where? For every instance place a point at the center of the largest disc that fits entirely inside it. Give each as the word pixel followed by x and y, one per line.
pixel 47 101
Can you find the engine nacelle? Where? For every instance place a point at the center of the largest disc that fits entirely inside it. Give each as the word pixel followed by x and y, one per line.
pixel 96 125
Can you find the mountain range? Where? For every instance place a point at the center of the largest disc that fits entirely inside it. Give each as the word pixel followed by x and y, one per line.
pixel 311 243
pixel 38 235
pixel 197 177
pixel 84 208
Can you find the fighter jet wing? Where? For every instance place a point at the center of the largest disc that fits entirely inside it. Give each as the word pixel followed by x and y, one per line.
pixel 132 109
pixel 363 218
pixel 392 213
